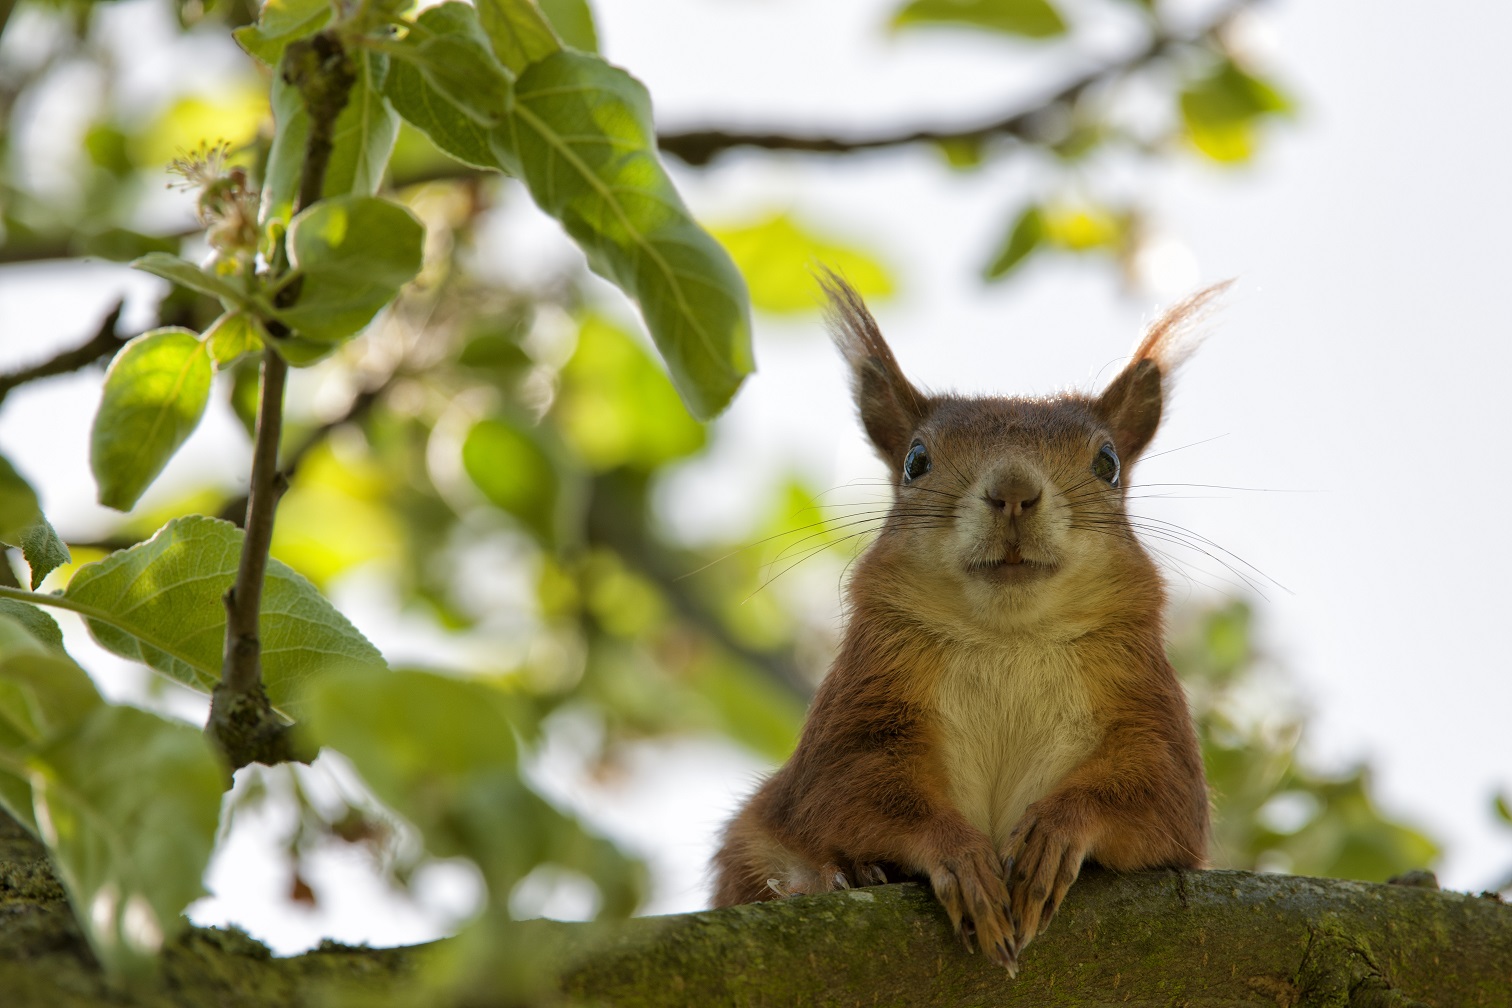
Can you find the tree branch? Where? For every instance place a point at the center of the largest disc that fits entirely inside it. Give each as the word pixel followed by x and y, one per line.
pixel 622 529
pixel 700 147
pixel 1147 938
pixel 103 343
pixel 242 720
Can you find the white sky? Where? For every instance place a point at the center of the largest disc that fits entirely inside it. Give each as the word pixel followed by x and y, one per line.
pixel 1358 367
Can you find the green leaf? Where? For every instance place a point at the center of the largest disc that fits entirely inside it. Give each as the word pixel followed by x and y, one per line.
pixel 1072 227
pixel 448 49
pixel 282 22
pixel 186 274
pixel 1026 235
pixel 421 99
pixel 42 694
pixel 232 335
pixel 520 33
pixel 573 21
pixel 777 257
pixel 353 254
pixel 616 407
pixel 128 804
pixel 963 153
pixel 422 742
pixel 155 394
pixel 160 603
pixel 18 503
pixel 415 725
pixel 1502 807
pixel 507 461
pixel 1084 227
pixel 1222 111
pixel 441 753
pixel 43 550
pixel 58 694
pixel 450 130
pixel 38 624
pixel 361 141
pixel 582 134
pixel 1028 18
pixel 59 757
pixel 246 388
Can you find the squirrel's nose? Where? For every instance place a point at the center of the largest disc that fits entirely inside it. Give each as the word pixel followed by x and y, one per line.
pixel 1013 496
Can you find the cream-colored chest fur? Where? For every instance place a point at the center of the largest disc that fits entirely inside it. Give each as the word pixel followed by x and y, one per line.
pixel 1013 722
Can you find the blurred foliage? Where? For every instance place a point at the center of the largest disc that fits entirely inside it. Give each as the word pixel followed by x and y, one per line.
pixel 1029 18
pixel 778 255
pixel 488 454
pixel 1271 811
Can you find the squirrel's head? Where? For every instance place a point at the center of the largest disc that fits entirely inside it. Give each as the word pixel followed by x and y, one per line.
pixel 1012 509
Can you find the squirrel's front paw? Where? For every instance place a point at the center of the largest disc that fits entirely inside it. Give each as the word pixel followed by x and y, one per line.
pixel 970 887
pixel 1042 858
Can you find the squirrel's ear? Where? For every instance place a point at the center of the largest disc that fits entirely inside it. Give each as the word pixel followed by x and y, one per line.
pixel 1131 404
pixel 890 407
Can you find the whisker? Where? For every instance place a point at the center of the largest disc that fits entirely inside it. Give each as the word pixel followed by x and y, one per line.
pixel 1191 541
pixel 880 517
pixel 814 551
pixel 1119 531
pixel 1194 444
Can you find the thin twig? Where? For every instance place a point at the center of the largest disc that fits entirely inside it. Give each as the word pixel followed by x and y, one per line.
pixel 103 343
pixel 242 720
pixel 242 672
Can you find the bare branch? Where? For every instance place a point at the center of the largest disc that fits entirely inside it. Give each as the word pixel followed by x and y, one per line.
pixel 103 343
pixel 700 147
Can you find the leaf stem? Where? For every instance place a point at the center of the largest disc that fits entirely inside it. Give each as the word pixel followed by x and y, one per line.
pixel 242 720
pixel 109 619
pixel 58 602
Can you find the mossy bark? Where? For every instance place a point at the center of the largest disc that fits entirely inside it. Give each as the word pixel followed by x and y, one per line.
pixel 1207 939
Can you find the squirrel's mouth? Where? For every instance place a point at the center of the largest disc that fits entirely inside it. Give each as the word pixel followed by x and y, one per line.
pixel 1011 567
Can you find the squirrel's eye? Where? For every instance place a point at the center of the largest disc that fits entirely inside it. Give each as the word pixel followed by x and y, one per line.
pixel 916 462
pixel 1105 465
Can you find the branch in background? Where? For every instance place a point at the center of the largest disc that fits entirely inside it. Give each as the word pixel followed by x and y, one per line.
pixel 103 343
pixel 242 720
pixel 699 147
pixel 778 666
pixel 611 526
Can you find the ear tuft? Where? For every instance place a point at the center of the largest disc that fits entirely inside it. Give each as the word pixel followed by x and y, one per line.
pixel 889 405
pixel 1172 337
pixel 1133 401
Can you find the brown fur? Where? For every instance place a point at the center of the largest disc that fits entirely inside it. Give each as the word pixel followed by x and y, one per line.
pixel 1004 662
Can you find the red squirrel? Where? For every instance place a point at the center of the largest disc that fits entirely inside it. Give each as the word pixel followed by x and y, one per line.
pixel 1001 708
